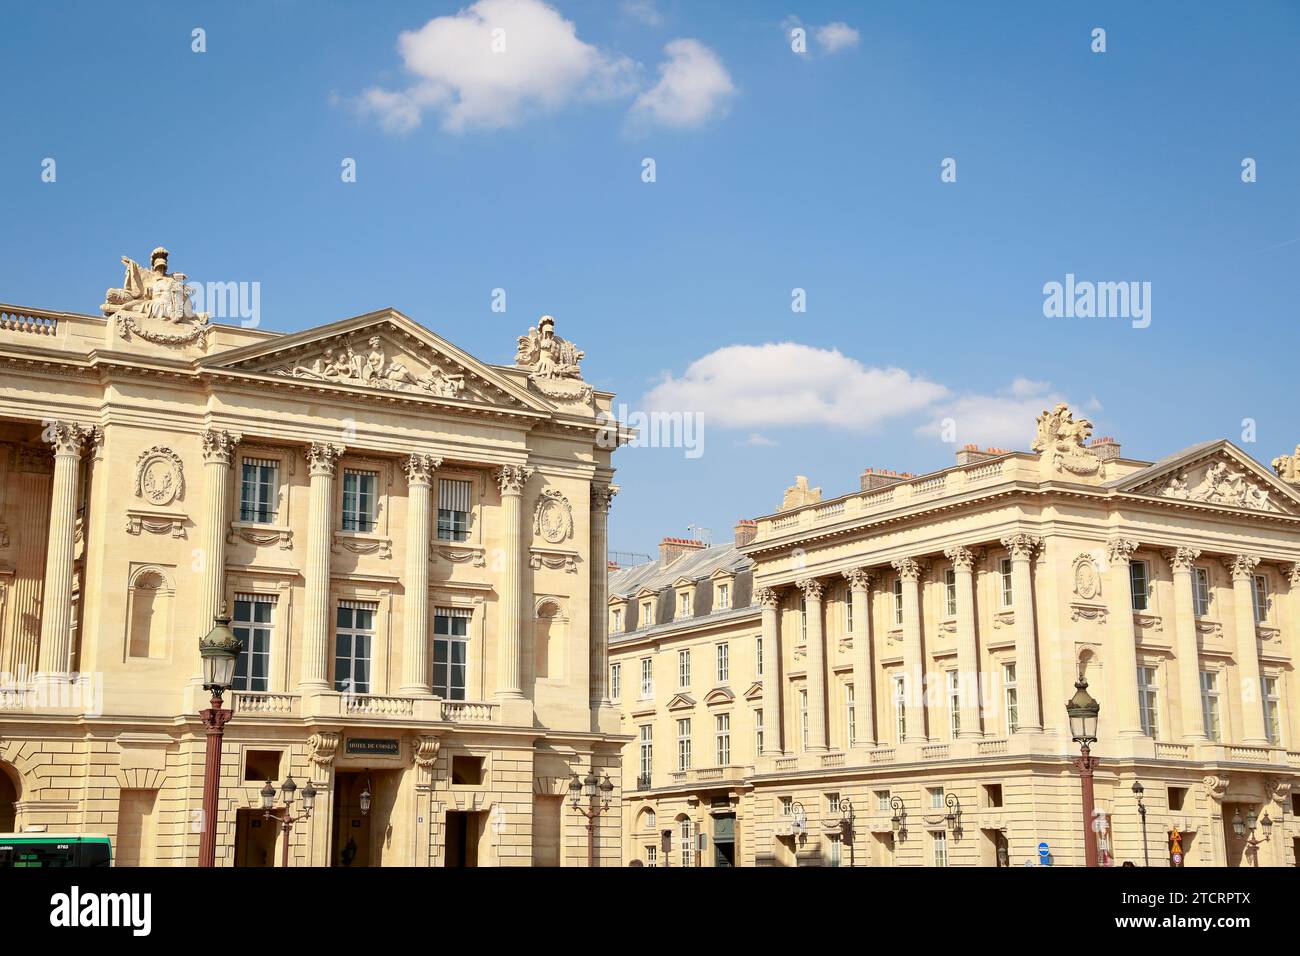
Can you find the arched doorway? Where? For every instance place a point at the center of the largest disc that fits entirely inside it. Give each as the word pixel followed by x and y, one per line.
pixel 8 797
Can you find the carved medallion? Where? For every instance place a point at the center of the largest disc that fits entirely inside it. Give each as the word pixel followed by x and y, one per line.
pixel 159 476
pixel 553 518
pixel 1087 582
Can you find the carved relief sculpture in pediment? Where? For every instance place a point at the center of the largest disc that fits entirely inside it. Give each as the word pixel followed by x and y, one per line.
pixel 1219 483
pixel 553 517
pixel 154 304
pixel 159 476
pixel 370 366
pixel 1062 438
pixel 552 363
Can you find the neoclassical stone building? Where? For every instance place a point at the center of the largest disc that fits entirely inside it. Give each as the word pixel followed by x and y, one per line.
pixel 902 655
pixel 409 542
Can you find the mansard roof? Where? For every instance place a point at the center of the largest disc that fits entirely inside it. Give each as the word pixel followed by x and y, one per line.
pixel 694 566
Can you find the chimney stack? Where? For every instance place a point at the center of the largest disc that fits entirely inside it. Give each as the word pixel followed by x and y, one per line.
pixel 1107 448
pixel 746 531
pixel 873 478
pixel 670 549
pixel 969 454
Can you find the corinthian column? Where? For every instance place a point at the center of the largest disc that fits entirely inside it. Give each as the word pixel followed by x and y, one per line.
pixel 812 595
pixel 32 486
pixel 1022 548
pixel 415 603
pixel 864 707
pixel 773 718
pixel 218 455
pixel 909 572
pixel 601 496
pixel 1123 644
pixel 1189 669
pixel 511 480
pixel 67 439
pixel 322 462
pixel 963 563
pixel 1242 568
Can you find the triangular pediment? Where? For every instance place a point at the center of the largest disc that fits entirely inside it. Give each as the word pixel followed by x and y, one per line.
pixel 681 702
pixel 1217 473
pixel 382 352
pixel 755 691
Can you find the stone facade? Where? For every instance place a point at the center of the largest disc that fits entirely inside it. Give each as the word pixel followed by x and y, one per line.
pixel 409 541
pixel 919 639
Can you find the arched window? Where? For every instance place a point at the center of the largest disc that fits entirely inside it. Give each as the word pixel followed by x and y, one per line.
pixel 149 613
pixel 648 819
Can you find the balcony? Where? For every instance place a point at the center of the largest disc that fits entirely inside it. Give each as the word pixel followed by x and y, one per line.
pixel 643 781
pixel 469 712
pixel 255 704
pixel 270 706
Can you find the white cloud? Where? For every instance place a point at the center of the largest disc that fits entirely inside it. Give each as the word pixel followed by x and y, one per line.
pixel 694 86
pixel 755 440
pixel 788 384
pixel 836 36
pixel 1004 419
pixel 495 63
pixel 643 10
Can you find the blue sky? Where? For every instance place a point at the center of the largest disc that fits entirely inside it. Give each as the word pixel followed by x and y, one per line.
pixel 774 171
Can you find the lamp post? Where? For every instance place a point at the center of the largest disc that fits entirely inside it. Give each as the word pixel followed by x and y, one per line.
pixel 597 792
pixel 1082 710
pixel 219 650
pixel 846 827
pixel 898 822
pixel 1241 828
pixel 798 827
pixel 1142 812
pixel 953 817
pixel 284 815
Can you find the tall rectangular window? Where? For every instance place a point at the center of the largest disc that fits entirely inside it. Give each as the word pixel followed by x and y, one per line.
pixel 647 679
pixel 1201 591
pixel 359 500
pixel 803 619
pixel 616 681
pixel 898 600
pixel 684 605
pixel 848 610
pixel 954 705
pixel 724 663
pixel 1210 703
pixel 450 651
pixel 252 625
pixel 1148 700
pixel 724 596
pixel 652 856
pixel 453 509
pixel 950 592
pixel 647 613
pixel 722 738
pixel 1011 698
pixel 616 621
pixel 683 670
pixel 687 842
pixel 940 841
pixel 259 490
pixel 1007 590
pixel 1272 709
pixel 354 636
pixel 1261 598
pixel 1139 579
pixel 900 707
pixel 758 657
pixel 758 731
pixel 803 718
pixel 850 716
pixel 833 840
pixel 647 750
pixel 684 744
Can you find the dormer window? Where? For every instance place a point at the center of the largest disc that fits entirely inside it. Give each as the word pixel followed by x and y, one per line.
pixel 724 597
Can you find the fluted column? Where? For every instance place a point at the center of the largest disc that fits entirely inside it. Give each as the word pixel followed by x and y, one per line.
pixel 913 669
pixel 67 439
pixel 322 463
pixel 31 483
pixel 1123 643
pixel 511 480
pixel 415 603
pixel 1242 568
pixel 963 563
pixel 218 455
pixel 773 718
pixel 816 648
pixel 864 707
pixel 601 496
pixel 1181 561
pixel 1022 548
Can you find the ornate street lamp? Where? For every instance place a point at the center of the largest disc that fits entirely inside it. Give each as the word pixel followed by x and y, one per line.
pixel 1241 828
pixel 284 815
pixel 898 822
pixel 219 649
pixel 846 828
pixel 597 793
pixel 364 798
pixel 1082 710
pixel 953 817
pixel 1142 812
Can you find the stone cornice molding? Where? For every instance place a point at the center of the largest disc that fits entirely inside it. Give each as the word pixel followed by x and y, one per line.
pixel 323 458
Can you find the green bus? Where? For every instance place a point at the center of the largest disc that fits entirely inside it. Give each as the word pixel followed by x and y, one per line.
pixel 55 849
